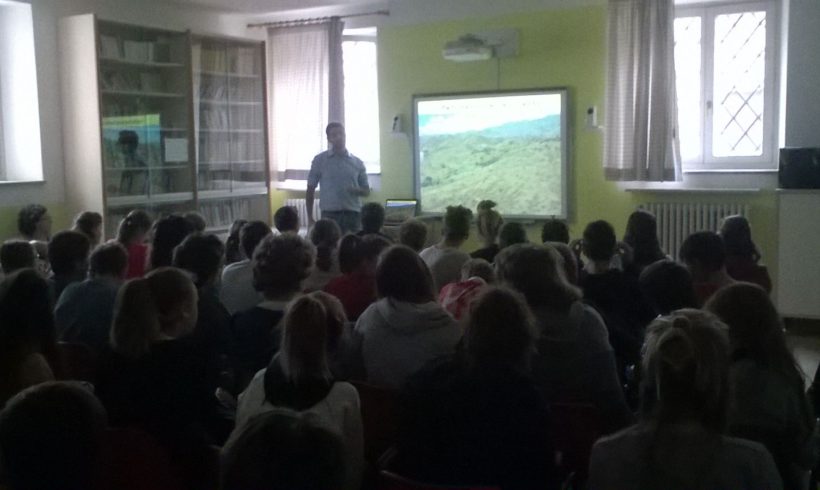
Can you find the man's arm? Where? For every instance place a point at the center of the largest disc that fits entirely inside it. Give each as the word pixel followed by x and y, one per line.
pixel 314 175
pixel 363 188
pixel 309 195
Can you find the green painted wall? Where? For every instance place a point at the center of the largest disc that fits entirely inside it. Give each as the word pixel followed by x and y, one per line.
pixel 61 217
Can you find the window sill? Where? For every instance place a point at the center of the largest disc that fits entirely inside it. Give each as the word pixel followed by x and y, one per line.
pixel 15 182
pixel 713 181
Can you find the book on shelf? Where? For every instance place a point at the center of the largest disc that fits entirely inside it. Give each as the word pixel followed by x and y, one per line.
pixel 110 47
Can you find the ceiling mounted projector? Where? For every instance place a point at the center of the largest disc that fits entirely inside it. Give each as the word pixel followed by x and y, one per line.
pixel 482 46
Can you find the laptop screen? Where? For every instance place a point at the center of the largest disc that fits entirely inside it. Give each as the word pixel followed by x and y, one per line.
pixel 399 210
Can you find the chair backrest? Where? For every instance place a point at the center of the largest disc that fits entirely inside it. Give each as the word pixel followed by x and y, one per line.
pixel 135 460
pixel 380 419
pixel 77 361
pixel 392 481
pixel 575 428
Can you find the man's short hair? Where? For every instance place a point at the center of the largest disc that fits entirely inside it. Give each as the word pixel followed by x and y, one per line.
pixel 372 217
pixel 413 233
pixel 17 254
pixel 28 217
pixel 251 234
pixel 457 222
pixel 66 250
pixel 286 219
pixel 109 259
pixel 201 255
pixel 282 449
pixel 599 241
pixel 50 437
pixel 281 263
pixel 705 247
pixel 333 125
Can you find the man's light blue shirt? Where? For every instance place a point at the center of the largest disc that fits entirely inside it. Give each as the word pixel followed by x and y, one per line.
pixel 336 174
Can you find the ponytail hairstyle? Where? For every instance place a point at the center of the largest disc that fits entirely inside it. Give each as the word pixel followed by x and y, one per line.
pixel 303 353
pixel 336 317
pixel 737 238
pixel 325 236
pixel 150 307
pixel 233 250
pixel 137 223
pixel 489 220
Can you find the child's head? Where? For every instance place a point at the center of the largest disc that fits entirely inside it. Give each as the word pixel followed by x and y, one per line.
pixel 108 260
pixel 336 317
pixel 196 220
pixel 402 275
pixel 737 238
pixel 233 249
pixel 251 235
pixel 457 224
pixel 34 222
pixel 50 437
pixel 569 261
pixel 68 253
pixel 89 224
pixel 555 231
pixel 413 233
pixel 16 255
pixel 303 352
pixel 667 286
pixel 134 227
pixel 161 305
pixel 325 236
pixel 286 220
pixel 168 233
pixel 641 229
pixel 26 315
pixel 512 233
pixel 488 221
pixel 360 253
pixel 703 253
pixel 278 450
pixel 478 268
pixel 372 216
pixel 202 256
pixel 599 241
pixel 500 330
pixel 536 272
pixel 280 264
pixel 686 370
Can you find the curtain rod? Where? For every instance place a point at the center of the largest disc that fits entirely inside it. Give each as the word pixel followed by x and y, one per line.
pixel 315 20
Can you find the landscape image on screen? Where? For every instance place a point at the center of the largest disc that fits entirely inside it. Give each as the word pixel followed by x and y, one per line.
pixel 507 148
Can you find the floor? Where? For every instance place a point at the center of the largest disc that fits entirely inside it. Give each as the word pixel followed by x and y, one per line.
pixel 803 337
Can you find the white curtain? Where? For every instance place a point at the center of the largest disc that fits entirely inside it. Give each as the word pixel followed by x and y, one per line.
pixel 640 140
pixel 306 87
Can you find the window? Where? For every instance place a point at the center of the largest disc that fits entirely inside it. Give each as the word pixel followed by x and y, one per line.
pixel 724 63
pixel 362 96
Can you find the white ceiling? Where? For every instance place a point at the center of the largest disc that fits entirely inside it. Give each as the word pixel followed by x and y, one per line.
pixel 270 6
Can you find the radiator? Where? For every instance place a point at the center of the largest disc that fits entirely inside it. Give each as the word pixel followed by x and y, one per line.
pixel 676 221
pixel 301 209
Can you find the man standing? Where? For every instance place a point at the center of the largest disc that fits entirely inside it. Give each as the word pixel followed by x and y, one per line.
pixel 343 182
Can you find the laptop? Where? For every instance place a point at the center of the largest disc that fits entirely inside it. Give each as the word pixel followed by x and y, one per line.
pixel 397 211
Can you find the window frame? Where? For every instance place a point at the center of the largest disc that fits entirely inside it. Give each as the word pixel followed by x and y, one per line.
pixel 375 167
pixel 707 162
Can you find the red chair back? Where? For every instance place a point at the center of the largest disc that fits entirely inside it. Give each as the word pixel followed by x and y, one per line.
pixel 379 419
pixel 77 361
pixel 391 481
pixel 575 428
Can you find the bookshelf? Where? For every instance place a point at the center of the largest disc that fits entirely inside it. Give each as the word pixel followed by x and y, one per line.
pixel 146 124
pixel 230 132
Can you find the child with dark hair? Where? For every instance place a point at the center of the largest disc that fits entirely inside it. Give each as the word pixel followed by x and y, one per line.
pixel 281 450
pixel 286 220
pixel 233 249
pixel 413 233
pixel 680 442
pixel 299 378
pixel 742 256
pixel 85 310
pixel 642 237
pixel 132 234
pixel 51 437
pixel 456 297
pixel 167 234
pixel 356 287
pixel 667 286
pixel 406 327
pixel 89 223
pixel 68 256
pixel 704 254
pixel 488 223
pixel 767 402
pixel 28 342
pixel 237 292
pixel 512 233
pixel 445 258
pixel 280 264
pixel 16 255
pixel 196 220
pixel 478 418
pixel 555 230
pixel 325 236
pixel 372 216
pixel 615 294
pixel 34 223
